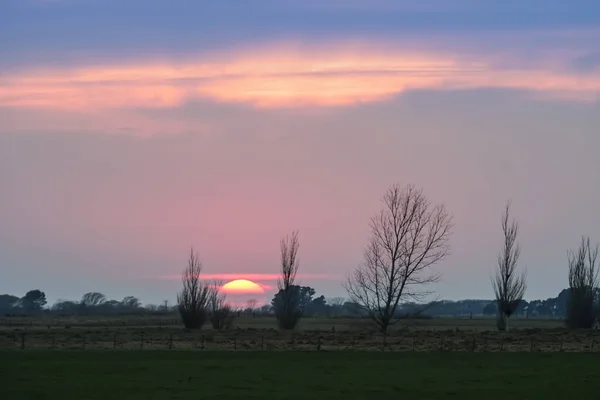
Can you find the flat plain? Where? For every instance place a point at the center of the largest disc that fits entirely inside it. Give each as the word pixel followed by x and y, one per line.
pixel 260 333
pixel 296 375
pixel 154 357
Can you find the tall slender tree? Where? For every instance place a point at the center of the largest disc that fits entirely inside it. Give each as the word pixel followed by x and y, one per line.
pixel 288 310
pixel 193 299
pixel 509 286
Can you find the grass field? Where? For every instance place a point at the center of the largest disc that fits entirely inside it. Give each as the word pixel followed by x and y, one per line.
pixel 296 375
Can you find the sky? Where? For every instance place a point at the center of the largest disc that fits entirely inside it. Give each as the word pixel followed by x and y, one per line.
pixel 133 130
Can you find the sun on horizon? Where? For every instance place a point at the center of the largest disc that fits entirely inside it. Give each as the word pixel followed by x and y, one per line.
pixel 242 286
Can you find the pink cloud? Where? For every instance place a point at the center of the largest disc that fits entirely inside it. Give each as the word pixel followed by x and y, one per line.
pixel 248 276
pixel 325 75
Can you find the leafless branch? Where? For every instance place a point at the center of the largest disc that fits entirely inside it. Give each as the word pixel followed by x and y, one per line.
pixel 409 236
pixel 289 261
pixel 288 310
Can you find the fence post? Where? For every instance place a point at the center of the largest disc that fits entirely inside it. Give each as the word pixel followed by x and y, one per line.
pixel 142 340
pixel 319 344
pixel 531 348
pixel 171 341
pixel 501 344
pixel 473 345
pixel 561 344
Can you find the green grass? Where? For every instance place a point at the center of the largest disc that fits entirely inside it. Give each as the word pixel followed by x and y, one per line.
pixel 296 375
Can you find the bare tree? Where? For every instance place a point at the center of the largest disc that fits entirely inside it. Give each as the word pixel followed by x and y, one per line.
pixel 287 309
pixel 582 306
pixel 220 314
pixel 192 301
pixel 408 237
pixel 509 287
pixel 251 304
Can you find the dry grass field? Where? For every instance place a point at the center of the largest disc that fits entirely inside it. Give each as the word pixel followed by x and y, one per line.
pixel 166 333
pixel 247 322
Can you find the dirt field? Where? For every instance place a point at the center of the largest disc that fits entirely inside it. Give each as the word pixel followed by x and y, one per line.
pixel 165 333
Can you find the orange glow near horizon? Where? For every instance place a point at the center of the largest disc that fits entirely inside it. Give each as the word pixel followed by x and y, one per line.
pixel 242 286
pixel 281 77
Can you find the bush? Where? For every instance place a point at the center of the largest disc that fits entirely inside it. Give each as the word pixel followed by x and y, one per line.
pixel 192 318
pixel 287 320
pixel 222 318
pixel 192 301
pixel 582 304
pixel 581 309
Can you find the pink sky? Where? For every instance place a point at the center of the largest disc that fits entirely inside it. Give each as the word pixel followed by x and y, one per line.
pixel 116 156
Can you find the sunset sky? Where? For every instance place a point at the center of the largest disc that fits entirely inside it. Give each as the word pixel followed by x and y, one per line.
pixel 132 130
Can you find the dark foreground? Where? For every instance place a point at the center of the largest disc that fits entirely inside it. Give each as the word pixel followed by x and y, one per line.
pixel 296 375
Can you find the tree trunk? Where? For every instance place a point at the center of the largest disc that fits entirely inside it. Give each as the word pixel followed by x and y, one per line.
pixel 383 325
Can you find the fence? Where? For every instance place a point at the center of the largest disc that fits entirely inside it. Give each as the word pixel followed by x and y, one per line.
pixel 302 341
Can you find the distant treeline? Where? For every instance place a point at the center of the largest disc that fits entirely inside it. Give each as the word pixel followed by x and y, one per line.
pixel 34 302
pixel 553 307
pixel 95 303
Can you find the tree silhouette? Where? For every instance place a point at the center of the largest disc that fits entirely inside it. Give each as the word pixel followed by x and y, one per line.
pixel 509 287
pixel 582 305
pixel 408 237
pixel 33 301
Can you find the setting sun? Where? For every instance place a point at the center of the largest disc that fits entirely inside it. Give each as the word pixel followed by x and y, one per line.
pixel 242 286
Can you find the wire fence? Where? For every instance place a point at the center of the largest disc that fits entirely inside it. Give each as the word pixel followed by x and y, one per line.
pixel 257 341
